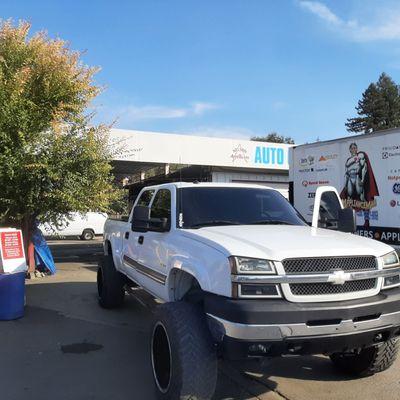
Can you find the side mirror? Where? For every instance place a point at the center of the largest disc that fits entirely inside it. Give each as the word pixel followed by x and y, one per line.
pixel 329 212
pixel 347 220
pixel 142 222
pixel 159 224
pixel 327 204
pixel 141 219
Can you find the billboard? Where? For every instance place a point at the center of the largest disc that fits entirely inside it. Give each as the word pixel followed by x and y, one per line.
pixel 151 147
pixel 364 169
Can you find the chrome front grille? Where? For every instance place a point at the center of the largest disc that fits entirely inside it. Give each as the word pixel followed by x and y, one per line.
pixel 321 265
pixel 318 289
pixel 330 266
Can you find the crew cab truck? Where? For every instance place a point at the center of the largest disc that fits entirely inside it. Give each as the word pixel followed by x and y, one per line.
pixel 240 273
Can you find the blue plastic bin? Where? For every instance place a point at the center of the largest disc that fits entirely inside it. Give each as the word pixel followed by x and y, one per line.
pixel 12 296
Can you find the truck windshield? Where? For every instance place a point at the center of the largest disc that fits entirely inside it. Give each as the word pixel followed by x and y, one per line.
pixel 212 206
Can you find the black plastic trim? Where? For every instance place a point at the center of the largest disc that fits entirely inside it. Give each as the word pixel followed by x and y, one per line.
pixel 156 276
pixel 273 311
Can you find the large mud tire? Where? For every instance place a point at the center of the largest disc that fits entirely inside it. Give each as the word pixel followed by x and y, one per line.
pixel 368 361
pixel 183 356
pixel 110 284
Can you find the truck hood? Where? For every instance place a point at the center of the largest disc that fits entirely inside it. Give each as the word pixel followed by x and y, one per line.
pixel 277 242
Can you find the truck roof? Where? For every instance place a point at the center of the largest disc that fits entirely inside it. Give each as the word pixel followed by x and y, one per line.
pixel 209 184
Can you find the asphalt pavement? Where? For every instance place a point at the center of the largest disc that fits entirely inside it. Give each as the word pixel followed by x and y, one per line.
pixel 68 348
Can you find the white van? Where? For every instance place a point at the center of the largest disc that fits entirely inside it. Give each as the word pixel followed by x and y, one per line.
pixel 86 226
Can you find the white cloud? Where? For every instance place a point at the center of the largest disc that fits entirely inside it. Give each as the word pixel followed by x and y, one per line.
pixel 199 108
pixel 231 132
pixel 152 112
pixel 137 113
pixel 321 10
pixel 384 25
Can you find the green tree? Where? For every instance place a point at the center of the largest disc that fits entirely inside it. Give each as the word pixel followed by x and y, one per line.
pixel 273 137
pixel 379 107
pixel 52 161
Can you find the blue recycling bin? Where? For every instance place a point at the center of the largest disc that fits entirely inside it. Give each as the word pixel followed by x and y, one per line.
pixel 12 296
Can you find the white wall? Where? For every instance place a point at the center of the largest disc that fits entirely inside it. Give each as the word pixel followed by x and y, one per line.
pixel 279 182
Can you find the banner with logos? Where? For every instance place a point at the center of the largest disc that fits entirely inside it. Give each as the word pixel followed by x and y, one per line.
pixel 366 172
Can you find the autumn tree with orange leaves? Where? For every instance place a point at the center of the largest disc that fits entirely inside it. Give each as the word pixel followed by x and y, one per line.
pixel 52 161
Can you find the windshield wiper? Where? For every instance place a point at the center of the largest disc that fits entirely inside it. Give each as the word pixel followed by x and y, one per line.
pixel 270 222
pixel 213 222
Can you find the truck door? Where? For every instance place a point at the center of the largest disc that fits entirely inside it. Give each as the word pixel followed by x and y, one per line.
pixel 154 248
pixel 329 212
pixel 131 246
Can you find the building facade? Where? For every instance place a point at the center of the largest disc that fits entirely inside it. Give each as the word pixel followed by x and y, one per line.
pixel 145 158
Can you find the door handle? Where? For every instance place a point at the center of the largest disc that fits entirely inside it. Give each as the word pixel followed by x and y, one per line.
pixel 126 235
pixel 141 239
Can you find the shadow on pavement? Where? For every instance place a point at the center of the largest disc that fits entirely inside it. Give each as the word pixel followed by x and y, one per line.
pixel 67 347
pixel 305 368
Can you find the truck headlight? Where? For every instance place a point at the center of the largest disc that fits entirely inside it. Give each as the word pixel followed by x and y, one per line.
pixel 245 265
pixel 390 260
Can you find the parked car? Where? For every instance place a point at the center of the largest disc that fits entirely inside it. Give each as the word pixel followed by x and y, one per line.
pixel 86 226
pixel 242 274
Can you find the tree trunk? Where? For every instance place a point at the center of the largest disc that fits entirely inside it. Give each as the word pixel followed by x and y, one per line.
pixel 27 226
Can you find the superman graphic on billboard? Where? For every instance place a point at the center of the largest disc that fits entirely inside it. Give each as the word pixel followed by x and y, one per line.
pixel 360 188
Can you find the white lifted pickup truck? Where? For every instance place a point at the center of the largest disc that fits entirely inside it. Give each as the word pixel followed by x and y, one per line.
pixel 242 274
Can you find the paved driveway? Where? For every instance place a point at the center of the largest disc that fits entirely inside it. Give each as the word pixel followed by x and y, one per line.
pixel 66 347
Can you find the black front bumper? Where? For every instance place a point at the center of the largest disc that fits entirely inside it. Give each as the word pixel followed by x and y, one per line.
pixel 366 322
pixel 235 349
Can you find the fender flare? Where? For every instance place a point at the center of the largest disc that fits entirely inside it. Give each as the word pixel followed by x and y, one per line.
pixel 177 265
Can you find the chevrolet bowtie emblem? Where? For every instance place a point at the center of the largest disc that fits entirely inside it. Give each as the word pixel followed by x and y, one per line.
pixel 338 277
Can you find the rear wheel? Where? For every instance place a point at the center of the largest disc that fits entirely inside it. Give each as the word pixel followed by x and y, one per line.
pixel 87 234
pixel 183 357
pixel 110 284
pixel 368 361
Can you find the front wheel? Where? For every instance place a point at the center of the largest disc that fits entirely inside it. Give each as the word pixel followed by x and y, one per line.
pixel 183 356
pixel 87 234
pixel 368 361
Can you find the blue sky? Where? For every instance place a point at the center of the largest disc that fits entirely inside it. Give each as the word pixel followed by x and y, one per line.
pixel 229 68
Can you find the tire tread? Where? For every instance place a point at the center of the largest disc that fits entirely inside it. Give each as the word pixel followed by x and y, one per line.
pixel 196 353
pixel 369 361
pixel 113 293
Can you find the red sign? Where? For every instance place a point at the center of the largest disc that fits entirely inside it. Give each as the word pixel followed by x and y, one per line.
pixel 11 245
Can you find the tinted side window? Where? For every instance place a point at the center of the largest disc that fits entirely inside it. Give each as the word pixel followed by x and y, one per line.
pixel 161 207
pixel 145 198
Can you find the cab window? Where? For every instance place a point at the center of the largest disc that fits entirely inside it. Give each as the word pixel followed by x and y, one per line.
pixel 145 198
pixel 161 207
